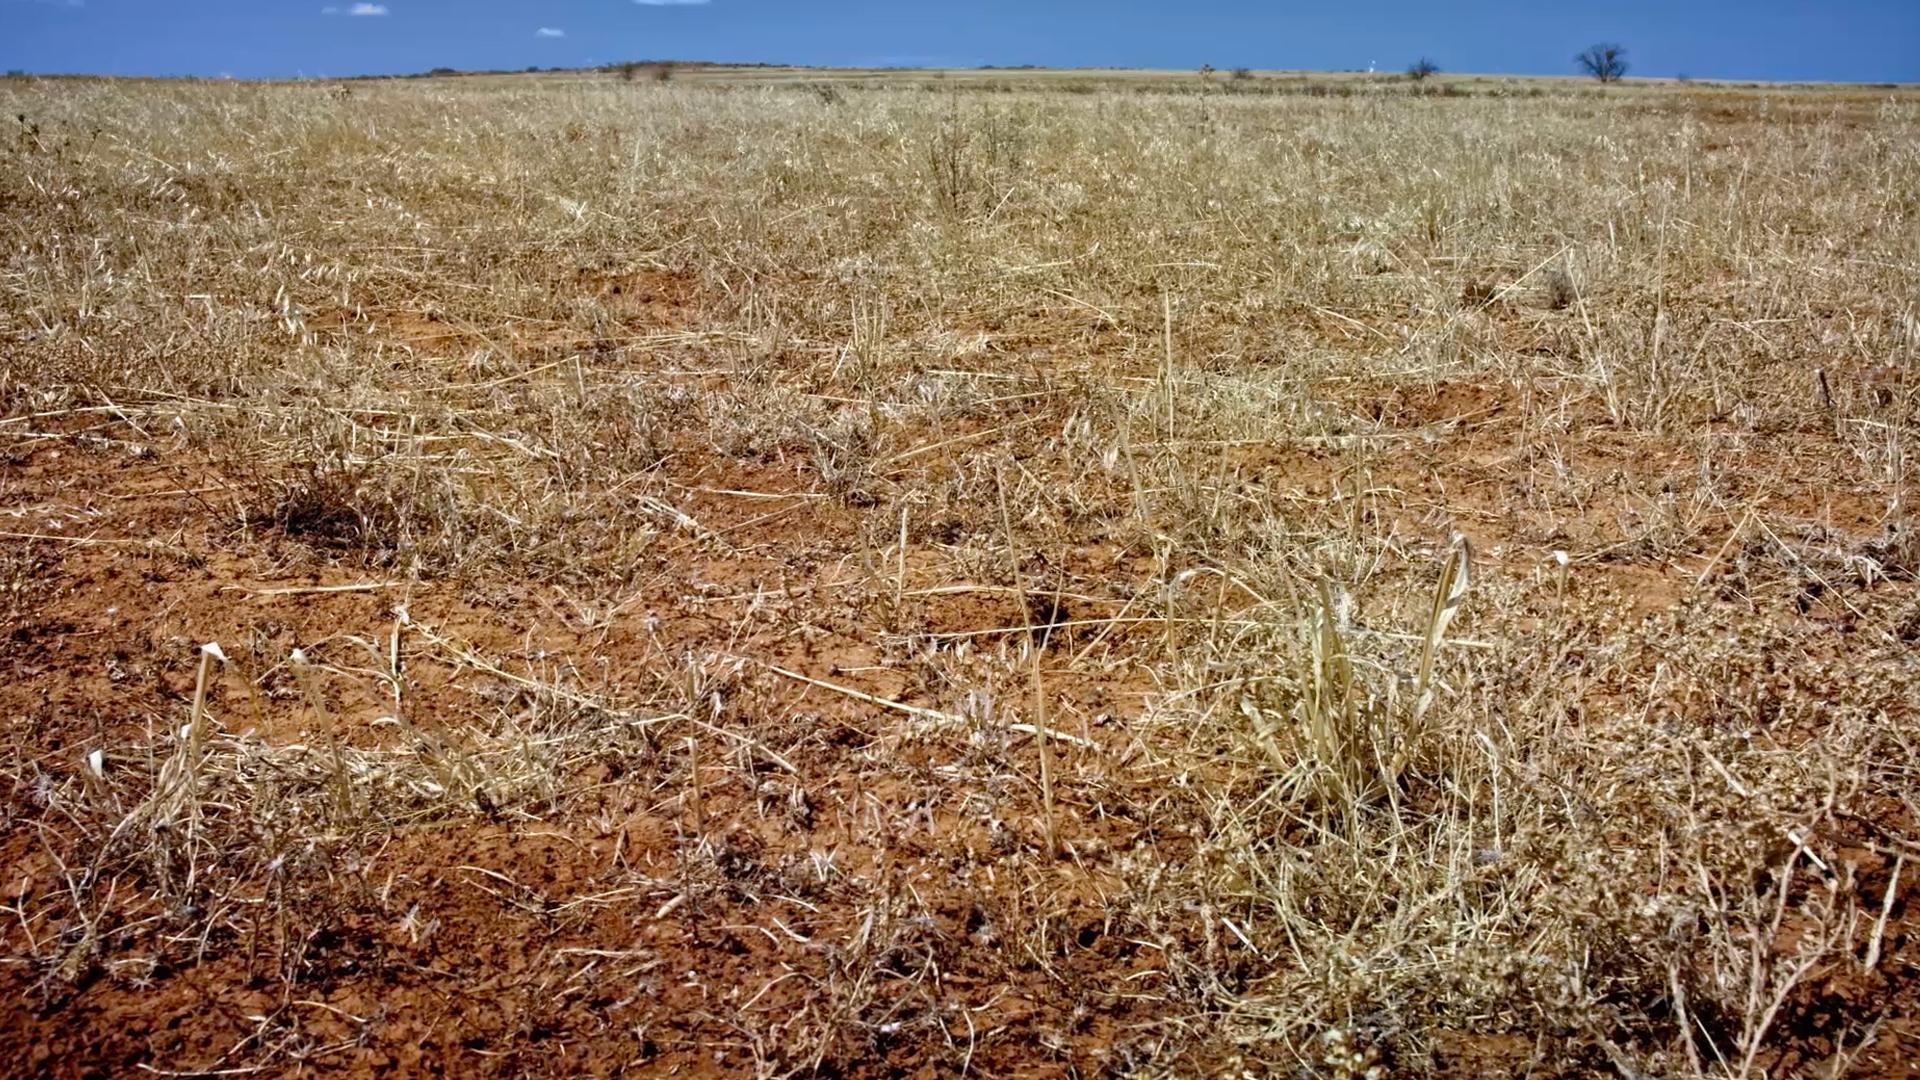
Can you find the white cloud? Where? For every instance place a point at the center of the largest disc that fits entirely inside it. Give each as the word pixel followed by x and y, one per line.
pixel 367 9
pixel 549 31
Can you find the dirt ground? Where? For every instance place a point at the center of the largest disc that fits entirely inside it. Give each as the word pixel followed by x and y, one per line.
pixel 891 735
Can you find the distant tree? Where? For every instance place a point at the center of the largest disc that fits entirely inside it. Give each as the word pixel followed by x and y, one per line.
pixel 1421 68
pixel 631 70
pixel 1206 71
pixel 1605 61
pixel 1242 74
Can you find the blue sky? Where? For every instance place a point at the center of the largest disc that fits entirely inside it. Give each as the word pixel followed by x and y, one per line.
pixel 1861 40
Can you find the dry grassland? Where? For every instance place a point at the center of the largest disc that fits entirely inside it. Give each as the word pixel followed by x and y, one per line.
pixel 1019 576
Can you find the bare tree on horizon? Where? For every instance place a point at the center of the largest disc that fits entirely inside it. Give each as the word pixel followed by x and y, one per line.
pixel 1605 61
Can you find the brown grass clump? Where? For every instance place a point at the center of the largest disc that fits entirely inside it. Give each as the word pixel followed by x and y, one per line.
pixel 1008 574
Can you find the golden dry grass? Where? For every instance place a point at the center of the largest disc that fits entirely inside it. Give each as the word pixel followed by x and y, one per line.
pixel 1003 574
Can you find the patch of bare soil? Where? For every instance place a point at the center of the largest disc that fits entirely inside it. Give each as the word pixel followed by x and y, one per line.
pixel 634 906
pixel 629 925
